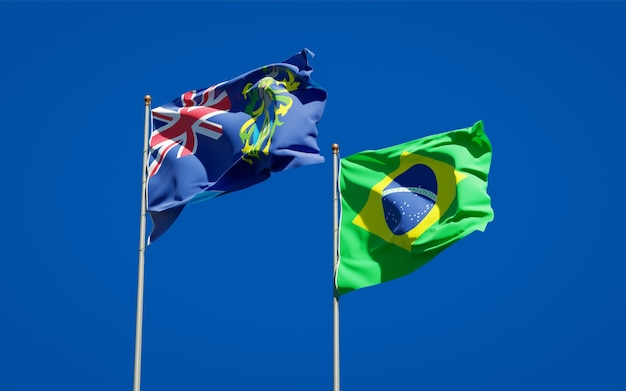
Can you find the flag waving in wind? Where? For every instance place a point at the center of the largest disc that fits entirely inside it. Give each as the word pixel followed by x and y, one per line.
pixel 231 136
pixel 403 205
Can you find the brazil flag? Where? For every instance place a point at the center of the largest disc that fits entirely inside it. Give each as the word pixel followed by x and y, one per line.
pixel 403 205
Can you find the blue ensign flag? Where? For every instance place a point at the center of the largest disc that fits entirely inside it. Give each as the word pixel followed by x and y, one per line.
pixel 232 135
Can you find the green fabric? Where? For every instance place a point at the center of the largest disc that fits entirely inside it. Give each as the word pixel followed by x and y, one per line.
pixel 369 251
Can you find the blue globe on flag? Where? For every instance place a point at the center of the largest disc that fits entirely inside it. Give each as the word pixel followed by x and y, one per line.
pixel 409 198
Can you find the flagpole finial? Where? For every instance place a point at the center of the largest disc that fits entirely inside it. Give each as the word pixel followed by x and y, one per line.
pixel 147 99
pixel 335 148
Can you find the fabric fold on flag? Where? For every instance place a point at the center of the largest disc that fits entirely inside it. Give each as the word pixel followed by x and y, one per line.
pixel 403 205
pixel 232 135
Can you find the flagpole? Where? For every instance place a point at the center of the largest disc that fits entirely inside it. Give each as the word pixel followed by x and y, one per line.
pixel 142 247
pixel 335 262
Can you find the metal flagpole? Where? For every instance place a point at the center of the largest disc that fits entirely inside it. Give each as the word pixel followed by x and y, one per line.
pixel 335 261
pixel 142 246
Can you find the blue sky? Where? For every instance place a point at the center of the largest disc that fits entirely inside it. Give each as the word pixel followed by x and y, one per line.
pixel 238 292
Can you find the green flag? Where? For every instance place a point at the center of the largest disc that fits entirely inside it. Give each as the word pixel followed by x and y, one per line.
pixel 403 205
